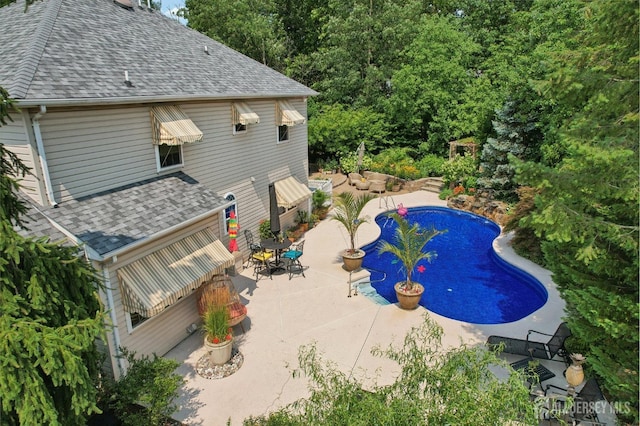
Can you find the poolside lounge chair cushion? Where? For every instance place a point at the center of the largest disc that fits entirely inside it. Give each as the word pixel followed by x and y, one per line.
pixel 363 185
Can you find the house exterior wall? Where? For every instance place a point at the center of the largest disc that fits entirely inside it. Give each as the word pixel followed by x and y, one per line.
pixel 92 150
pixel 164 331
pixel 229 164
pixel 17 136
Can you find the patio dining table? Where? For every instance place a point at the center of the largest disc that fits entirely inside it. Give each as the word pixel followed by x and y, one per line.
pixel 277 246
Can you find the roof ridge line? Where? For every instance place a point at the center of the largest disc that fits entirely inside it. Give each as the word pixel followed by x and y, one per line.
pixel 29 64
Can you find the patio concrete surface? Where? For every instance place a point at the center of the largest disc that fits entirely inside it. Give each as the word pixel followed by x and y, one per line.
pixel 284 314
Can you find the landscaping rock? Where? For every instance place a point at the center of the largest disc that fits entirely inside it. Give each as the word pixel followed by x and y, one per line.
pixel 481 205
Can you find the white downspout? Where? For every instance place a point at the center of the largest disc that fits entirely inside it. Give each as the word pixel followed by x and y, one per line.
pixel 43 158
pixel 114 323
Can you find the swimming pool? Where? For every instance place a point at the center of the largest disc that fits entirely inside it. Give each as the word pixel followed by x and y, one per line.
pixel 467 281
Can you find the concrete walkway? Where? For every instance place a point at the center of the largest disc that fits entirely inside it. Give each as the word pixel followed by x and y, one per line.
pixel 284 314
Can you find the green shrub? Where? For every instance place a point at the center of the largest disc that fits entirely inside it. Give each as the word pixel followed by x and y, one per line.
pixel 318 198
pixel 396 162
pixel 349 163
pixel 149 382
pixel 445 193
pixel 458 169
pixel 430 165
pixel 470 182
pixel 331 164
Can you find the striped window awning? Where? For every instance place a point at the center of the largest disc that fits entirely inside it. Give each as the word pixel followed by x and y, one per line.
pixel 290 192
pixel 287 115
pixel 158 280
pixel 171 126
pixel 242 114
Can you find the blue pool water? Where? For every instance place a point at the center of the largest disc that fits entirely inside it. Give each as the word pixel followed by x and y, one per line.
pixel 467 281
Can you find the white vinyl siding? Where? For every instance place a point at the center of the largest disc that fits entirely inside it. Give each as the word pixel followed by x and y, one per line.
pixel 95 150
pixel 16 135
pixel 164 331
pixel 226 163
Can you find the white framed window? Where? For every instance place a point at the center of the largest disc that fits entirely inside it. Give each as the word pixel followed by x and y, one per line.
pixel 227 212
pixel 283 133
pixel 239 128
pixel 168 157
pixel 134 320
pixel 242 116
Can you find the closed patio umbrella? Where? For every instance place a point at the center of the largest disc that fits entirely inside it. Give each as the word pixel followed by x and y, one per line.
pixel 274 214
pixel 360 155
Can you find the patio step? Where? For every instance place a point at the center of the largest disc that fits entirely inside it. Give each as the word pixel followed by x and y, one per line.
pixel 366 290
pixel 433 184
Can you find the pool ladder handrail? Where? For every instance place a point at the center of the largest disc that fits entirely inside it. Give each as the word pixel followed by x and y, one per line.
pixel 354 287
pixel 386 200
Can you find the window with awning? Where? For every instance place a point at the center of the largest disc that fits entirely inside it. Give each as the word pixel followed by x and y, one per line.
pixel 242 114
pixel 151 284
pixel 171 126
pixel 290 192
pixel 287 115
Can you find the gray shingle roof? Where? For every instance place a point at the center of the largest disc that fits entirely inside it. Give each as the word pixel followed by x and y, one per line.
pixel 113 219
pixel 37 225
pixel 63 51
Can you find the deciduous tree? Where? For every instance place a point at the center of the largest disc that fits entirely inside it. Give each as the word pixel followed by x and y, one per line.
pixel 435 386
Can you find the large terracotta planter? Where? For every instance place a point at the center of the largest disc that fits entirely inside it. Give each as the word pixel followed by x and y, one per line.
pixel 409 299
pixel 352 261
pixel 219 353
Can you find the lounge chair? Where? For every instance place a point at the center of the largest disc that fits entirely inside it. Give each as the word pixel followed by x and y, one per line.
pixel 354 177
pixel 378 186
pixel 585 403
pixel 526 347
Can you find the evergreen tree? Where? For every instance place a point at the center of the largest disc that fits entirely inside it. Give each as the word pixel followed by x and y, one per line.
pixel 518 136
pixel 50 317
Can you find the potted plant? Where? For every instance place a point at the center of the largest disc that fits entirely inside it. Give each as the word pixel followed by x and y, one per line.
pixel 294 232
pixel 302 219
pixel 347 211
pixel 264 229
pixel 318 200
pixel 408 247
pixel 218 339
pixel 313 219
pixel 331 165
pixel 395 184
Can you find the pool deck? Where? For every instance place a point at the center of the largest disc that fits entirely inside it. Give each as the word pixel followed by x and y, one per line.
pixel 284 314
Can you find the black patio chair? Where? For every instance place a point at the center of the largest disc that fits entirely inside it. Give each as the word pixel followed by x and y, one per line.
pixel 586 403
pixel 526 347
pixel 253 246
pixel 261 262
pixel 293 256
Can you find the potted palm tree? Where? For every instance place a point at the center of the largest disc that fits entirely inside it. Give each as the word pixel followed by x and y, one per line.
pixel 218 337
pixel 347 211
pixel 408 247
